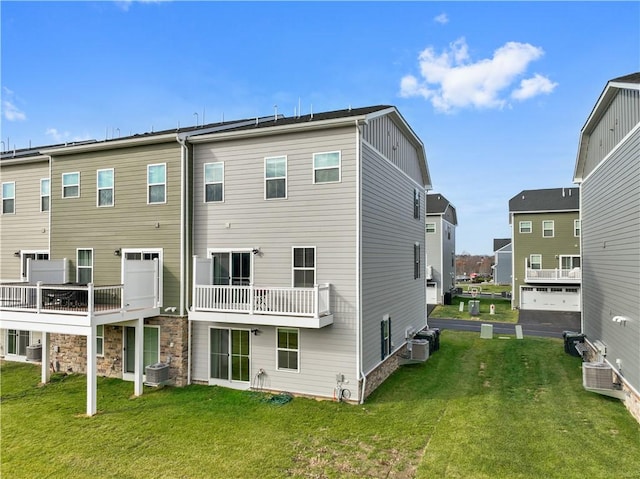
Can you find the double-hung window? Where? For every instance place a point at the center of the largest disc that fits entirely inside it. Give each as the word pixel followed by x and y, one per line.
pixel 45 194
pixel 105 182
pixel 547 228
pixel 275 177
pixel 157 183
pixel 288 349
pixel 71 185
pixel 304 267
pixel 430 228
pixel 416 203
pixel 576 228
pixel 84 266
pixel 8 198
pixel 100 340
pixel 416 261
pixel 525 227
pixel 326 167
pixel 535 261
pixel 213 182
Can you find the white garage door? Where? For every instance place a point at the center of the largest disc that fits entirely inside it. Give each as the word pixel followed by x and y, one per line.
pixel 432 293
pixel 547 298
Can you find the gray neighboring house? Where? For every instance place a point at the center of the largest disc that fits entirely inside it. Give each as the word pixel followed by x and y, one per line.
pixel 608 172
pixel 441 222
pixel 503 261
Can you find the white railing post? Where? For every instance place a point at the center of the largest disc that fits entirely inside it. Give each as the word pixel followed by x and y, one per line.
pixel 194 286
pixel 38 296
pixel 90 299
pixel 315 301
pixel 251 298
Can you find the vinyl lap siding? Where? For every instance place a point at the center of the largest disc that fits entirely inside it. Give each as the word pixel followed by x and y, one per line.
pixel 611 256
pixel 320 215
pixel 389 232
pixel 434 250
pixel 130 223
pixel 27 228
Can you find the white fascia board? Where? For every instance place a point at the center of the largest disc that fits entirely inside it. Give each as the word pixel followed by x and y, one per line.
pixel 24 160
pixel 111 144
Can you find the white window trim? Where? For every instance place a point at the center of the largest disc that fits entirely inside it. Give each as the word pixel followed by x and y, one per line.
pixel 124 252
pixel 164 183
pixel 562 256
pixel 9 198
pixel 286 171
pixel 520 224
pixel 84 267
pixel 577 228
pixel 553 228
pixel 112 188
pixel 225 382
pixel 339 180
pixel 531 260
pixel 100 336
pixel 204 177
pixel 67 186
pixel 426 226
pixel 294 269
pixel 23 273
pixel 278 349
pixel 45 196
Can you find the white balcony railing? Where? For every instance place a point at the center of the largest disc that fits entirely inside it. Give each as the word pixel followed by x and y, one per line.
pixel 80 300
pixel 573 275
pixel 307 302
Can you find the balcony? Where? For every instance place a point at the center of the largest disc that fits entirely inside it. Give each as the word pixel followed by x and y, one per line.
pixel 258 305
pixel 560 276
pixel 69 304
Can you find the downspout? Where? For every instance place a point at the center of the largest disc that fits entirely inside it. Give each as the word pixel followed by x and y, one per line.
pixel 184 237
pixel 513 263
pixel 581 262
pixel 359 371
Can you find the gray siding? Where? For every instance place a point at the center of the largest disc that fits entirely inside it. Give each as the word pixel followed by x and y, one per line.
pixel 130 223
pixel 611 256
pixel 28 228
pixel 389 232
pixel 621 116
pixel 448 257
pixel 386 137
pixel 503 265
pixel 320 215
pixel 434 252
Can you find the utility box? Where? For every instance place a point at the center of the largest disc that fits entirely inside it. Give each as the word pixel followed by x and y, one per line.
pixel 474 307
pixel 34 352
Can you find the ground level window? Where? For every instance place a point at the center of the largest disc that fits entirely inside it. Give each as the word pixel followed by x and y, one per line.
pixel 100 340
pixel 288 349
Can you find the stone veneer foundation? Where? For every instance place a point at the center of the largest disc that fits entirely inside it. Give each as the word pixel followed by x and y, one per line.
pixel 69 352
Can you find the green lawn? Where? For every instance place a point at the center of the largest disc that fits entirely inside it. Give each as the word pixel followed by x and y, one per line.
pixel 477 409
pixel 503 311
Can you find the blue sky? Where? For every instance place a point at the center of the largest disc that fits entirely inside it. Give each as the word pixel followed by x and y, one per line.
pixel 497 91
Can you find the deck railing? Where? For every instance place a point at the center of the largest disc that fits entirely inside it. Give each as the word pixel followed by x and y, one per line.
pixel 311 302
pixel 78 300
pixel 573 275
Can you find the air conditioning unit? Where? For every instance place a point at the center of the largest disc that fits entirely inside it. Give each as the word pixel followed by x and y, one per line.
pixel 419 349
pixel 598 377
pixel 157 374
pixel 34 352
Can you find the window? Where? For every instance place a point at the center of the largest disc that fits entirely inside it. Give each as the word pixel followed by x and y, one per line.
pixel 151 345
pixel 525 227
pixel 45 194
pixel 213 182
pixel 288 349
pixel 547 229
pixel 17 342
pixel 157 183
pixel 416 261
pixel 569 262
pixel 71 185
pixel 27 255
pixel 430 228
pixel 535 261
pixel 8 198
pixel 275 175
pixel 416 203
pixel 576 228
pixel 105 180
pixel 100 340
pixel 84 266
pixel 385 336
pixel 304 267
pixel 326 167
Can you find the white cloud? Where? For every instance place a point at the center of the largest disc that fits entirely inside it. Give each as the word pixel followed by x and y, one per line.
pixel 441 19
pixel 56 135
pixel 124 5
pixel 531 87
pixel 9 109
pixel 450 80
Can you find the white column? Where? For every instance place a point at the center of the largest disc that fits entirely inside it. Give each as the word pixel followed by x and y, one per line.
pixel 139 358
pixel 92 382
pixel 46 358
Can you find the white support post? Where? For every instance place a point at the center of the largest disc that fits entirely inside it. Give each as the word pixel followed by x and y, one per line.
pixel 315 301
pixel 139 358
pixel 38 294
pixel 46 372
pixel 92 381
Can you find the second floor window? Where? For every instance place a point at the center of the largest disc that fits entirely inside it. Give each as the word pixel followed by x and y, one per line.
pixel 535 261
pixel 275 176
pixel 304 267
pixel 45 194
pixel 416 203
pixel 84 266
pixel 525 227
pixel 430 228
pixel 326 167
pixel 576 228
pixel 416 261
pixel 547 229
pixel 71 185
pixel 157 183
pixel 8 198
pixel 213 182
pixel 105 180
